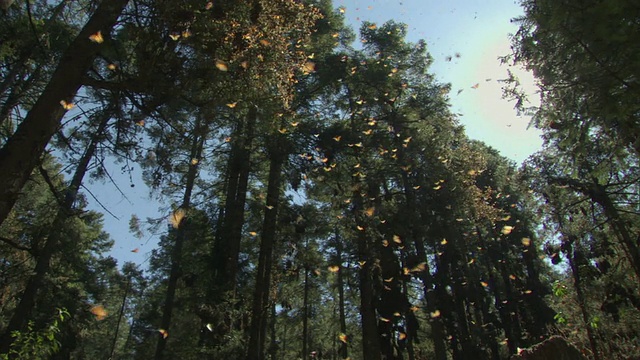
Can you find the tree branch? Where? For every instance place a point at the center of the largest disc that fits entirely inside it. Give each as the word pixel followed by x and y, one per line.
pixel 598 61
pixel 99 203
pixel 14 245
pixel 52 187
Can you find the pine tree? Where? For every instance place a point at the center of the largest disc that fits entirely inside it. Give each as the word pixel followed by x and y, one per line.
pixel 20 154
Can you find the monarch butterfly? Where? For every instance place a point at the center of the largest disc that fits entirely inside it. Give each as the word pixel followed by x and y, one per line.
pixel 97 37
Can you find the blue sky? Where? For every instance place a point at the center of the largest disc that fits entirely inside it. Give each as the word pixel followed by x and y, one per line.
pixel 476 30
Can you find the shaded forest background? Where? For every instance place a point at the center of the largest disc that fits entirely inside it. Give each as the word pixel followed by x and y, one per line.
pixel 324 201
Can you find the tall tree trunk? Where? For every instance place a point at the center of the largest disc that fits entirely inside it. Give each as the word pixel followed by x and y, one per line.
pixel 263 277
pixel 437 328
pixel 305 315
pixel 416 233
pixel 511 307
pixel 541 313
pixel 344 349
pixel 236 213
pixel 239 165
pixel 132 328
pixel 446 306
pixel 469 348
pixel 370 341
pixel 120 313
pixel 23 310
pixel 176 255
pixel 273 348
pixel 284 338
pixel 371 348
pixel 483 305
pixel 21 153
pixel 505 303
pixel 572 255
pixel 228 236
pixel 478 299
pixel 568 247
pixel 408 327
pixel 226 249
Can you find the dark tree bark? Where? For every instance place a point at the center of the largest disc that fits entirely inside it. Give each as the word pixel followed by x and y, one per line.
pixel 21 153
pixel 504 298
pixel 511 310
pixel 437 328
pixel 237 212
pixel 181 235
pixel 370 340
pixel 344 350
pixel 428 284
pixel 410 327
pixel 239 168
pixel 371 348
pixel 572 255
pixel 305 315
pixel 460 299
pixel 22 313
pixel 120 313
pixel 569 248
pixel 226 249
pixel 257 331
pixel 480 301
pixel 540 312
pixel 273 348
